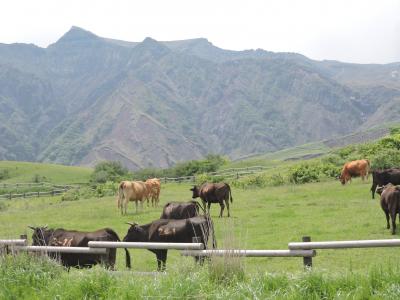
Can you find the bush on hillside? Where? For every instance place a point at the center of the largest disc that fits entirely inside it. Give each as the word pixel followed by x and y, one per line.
pixel 305 172
pixel 210 164
pixel 189 168
pixel 4 174
pixel 108 171
pixel 259 181
pixel 386 159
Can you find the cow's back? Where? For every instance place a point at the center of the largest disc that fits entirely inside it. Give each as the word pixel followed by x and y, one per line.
pixel 179 210
pixel 135 190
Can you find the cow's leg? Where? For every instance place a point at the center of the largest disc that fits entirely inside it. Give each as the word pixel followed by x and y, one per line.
pixel 222 208
pixel 161 259
pixel 387 219
pixel 136 205
pixel 199 260
pixel 227 206
pixel 393 217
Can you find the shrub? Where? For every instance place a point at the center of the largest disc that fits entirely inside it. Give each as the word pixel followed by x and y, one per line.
pixel 303 173
pixel 386 159
pixel 70 195
pixel 38 178
pixel 108 171
pixel 4 174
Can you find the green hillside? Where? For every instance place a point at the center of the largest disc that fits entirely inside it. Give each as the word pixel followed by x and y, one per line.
pixel 19 172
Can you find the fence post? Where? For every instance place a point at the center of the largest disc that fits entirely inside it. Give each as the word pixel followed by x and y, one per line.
pixel 10 196
pixel 307 261
pixel 237 175
pixel 165 179
pixel 52 193
pixel 194 179
pixel 38 194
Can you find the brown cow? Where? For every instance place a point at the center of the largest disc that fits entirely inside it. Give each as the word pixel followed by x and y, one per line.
pixel 390 203
pixel 180 210
pixel 153 186
pixel 130 191
pixel 353 169
pixel 213 193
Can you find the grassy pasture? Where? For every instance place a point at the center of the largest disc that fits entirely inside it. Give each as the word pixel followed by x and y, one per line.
pixel 262 219
pixel 57 174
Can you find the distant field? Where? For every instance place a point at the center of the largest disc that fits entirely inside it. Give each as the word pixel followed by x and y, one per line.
pixel 262 219
pixel 58 174
pixel 282 157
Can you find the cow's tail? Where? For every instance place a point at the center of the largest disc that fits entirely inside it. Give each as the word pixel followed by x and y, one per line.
pixel 127 255
pixel 120 194
pixel 230 193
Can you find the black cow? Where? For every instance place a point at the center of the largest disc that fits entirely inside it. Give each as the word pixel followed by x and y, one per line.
pixel 70 238
pixel 180 210
pixel 390 203
pixel 171 231
pixel 383 177
pixel 214 193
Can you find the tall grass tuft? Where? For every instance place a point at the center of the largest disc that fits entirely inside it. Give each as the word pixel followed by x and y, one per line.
pixel 229 268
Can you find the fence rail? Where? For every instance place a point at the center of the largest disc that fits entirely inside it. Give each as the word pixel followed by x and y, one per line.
pixel 345 244
pixel 137 245
pixel 306 249
pixel 33 194
pixel 227 173
pixel 56 249
pixel 250 253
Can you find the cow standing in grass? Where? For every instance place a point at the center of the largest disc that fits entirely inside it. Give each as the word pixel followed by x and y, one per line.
pixel 390 203
pixel 153 186
pixel 171 231
pixel 71 238
pixel 384 177
pixel 180 210
pixel 214 193
pixel 130 191
pixel 354 169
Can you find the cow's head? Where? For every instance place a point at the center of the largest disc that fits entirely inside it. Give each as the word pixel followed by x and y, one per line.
pixel 41 235
pixel 135 233
pixel 195 191
pixel 379 189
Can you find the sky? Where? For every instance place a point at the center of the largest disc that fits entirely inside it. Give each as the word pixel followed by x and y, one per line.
pixel 356 31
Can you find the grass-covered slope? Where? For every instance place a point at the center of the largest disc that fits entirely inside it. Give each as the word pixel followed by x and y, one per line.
pixel 19 172
pixel 265 218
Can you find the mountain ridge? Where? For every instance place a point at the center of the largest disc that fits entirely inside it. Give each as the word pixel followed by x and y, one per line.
pixel 155 103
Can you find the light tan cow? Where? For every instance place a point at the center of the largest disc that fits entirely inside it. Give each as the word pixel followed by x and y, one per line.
pixel 153 186
pixel 130 191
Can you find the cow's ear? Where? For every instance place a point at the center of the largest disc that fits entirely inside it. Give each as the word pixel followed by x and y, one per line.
pixel 31 227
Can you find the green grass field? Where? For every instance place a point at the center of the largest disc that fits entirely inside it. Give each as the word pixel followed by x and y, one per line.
pixel 267 218
pixel 262 218
pixel 57 174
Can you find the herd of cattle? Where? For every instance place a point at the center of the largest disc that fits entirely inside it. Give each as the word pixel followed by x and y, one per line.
pixel 384 182
pixel 180 222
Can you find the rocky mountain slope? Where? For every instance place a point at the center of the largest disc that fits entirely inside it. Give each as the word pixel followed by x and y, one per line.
pixel 86 98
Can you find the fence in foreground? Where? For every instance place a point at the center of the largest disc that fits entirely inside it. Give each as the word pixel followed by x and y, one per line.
pixel 305 249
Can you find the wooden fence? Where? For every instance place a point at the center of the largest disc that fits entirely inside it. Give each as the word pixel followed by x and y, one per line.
pixel 305 249
pixel 33 194
pixel 227 173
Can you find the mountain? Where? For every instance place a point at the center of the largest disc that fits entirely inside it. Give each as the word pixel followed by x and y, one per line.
pixel 87 98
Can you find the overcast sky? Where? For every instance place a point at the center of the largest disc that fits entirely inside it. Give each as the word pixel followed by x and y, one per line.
pixel 365 31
